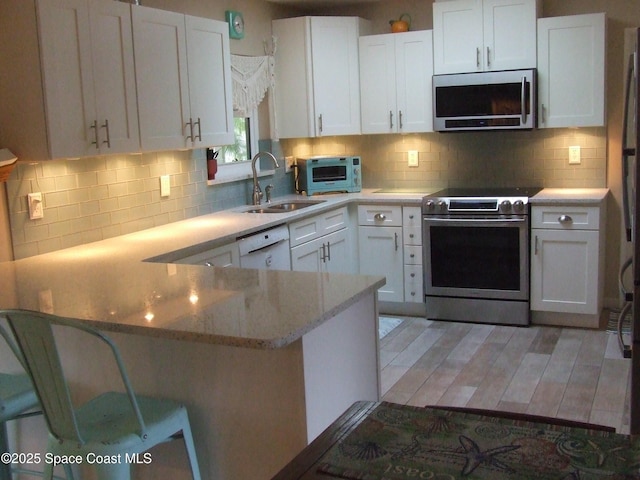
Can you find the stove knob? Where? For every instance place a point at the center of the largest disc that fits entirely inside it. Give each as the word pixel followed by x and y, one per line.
pixel 442 206
pixel 505 206
pixel 518 206
pixel 429 205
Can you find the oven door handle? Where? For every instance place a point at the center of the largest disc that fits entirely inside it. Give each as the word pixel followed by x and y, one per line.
pixel 475 220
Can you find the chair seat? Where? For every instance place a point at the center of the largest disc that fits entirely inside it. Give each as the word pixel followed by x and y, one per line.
pixel 108 420
pixel 16 395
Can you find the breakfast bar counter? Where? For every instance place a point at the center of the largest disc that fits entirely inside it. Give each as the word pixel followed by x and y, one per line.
pixel 264 360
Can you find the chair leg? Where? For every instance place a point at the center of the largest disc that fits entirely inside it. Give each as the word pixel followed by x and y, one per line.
pixel 5 469
pixel 116 471
pixel 191 448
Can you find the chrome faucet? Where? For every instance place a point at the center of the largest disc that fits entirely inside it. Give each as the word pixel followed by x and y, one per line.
pixel 257 191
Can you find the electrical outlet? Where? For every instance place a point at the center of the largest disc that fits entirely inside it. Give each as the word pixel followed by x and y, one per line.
pixel 289 163
pixel 574 155
pixel 165 186
pixel 412 156
pixel 36 210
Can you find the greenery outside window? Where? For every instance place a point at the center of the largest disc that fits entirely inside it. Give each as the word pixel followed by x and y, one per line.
pixel 234 161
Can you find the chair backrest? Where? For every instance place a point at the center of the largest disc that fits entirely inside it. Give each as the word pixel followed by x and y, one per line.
pixel 36 342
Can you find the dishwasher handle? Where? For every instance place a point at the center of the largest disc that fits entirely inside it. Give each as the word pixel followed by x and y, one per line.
pixel 264 247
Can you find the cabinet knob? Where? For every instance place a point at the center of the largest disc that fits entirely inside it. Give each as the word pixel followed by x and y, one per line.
pixel 565 219
pixel 380 216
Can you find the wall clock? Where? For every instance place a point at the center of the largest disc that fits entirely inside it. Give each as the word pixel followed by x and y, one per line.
pixel 236 24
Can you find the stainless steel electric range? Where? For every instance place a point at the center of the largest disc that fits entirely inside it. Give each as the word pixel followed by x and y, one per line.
pixel 476 254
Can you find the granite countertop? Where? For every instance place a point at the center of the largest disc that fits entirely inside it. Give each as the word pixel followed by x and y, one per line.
pixel 109 283
pixel 564 196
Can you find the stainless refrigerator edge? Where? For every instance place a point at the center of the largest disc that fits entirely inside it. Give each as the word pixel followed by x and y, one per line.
pixel 631 211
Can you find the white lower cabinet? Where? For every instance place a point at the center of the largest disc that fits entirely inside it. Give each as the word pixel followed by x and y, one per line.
pixel 567 260
pixel 322 243
pixel 223 256
pixel 380 249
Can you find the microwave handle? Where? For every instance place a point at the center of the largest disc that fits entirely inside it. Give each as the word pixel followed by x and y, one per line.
pixel 523 100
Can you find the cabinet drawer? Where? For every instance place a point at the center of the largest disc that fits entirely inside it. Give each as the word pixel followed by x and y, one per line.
pixel 412 235
pixel 314 227
pixel 411 216
pixel 413 255
pixel 380 215
pixel 413 283
pixel 566 217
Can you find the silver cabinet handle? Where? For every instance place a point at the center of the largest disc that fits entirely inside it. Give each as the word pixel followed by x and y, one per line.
pixel 390 119
pixel 535 248
pixel 320 123
pixel 412 275
pixel 412 255
pixel 106 126
pixel 488 57
pixel 478 58
pixel 400 119
pixel 94 125
pixel 411 235
pixel 396 240
pixel 565 219
pixel 199 130
pixel 329 251
pixel 323 255
pixel 543 111
pixel 190 125
pixel 380 216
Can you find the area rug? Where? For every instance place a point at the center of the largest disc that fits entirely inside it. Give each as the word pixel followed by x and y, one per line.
pixel 386 325
pixel 401 442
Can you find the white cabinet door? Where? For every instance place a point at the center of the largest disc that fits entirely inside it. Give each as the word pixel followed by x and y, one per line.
pixel 378 83
pixel 114 77
pixel 509 31
pixel 395 82
pixel 161 78
pixel 380 253
pixel 571 71
pixel 457 36
pixel 306 257
pixel 414 64
pixel 336 78
pixel 484 35
pixel 209 70
pixel 338 252
pixel 65 43
pixel 317 76
pixel 564 271
pixel 88 77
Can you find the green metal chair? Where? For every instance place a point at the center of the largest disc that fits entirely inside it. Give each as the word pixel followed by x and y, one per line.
pixel 17 400
pixel 109 424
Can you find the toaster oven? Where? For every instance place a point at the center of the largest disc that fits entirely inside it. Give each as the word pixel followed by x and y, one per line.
pixel 325 174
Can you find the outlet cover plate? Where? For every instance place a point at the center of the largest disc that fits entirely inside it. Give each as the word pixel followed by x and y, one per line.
pixel 36 209
pixel 574 155
pixel 412 157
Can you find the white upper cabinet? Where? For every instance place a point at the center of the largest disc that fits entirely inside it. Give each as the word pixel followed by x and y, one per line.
pixel 571 71
pixel 317 76
pixel 395 82
pixel 71 91
pixel 484 35
pixel 166 80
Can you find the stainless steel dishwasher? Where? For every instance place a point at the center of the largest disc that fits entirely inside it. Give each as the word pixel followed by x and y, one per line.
pixel 267 249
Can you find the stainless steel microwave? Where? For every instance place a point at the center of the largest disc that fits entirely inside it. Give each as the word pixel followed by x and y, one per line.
pixel 325 174
pixel 504 100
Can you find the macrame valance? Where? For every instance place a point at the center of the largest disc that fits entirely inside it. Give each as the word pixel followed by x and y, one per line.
pixel 251 78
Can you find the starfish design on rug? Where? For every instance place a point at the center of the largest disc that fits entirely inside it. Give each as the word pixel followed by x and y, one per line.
pixel 476 457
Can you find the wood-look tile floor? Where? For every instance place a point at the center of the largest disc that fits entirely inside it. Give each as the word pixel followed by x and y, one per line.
pixel 556 372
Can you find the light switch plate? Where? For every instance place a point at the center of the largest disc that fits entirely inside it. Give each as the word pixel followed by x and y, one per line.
pixel 574 155
pixel 165 185
pixel 412 156
pixel 290 162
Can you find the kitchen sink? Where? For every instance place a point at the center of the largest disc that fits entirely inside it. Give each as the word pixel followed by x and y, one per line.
pixel 283 207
